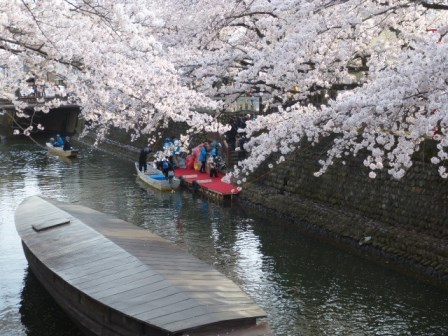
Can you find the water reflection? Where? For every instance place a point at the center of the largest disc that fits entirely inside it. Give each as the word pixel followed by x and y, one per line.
pixel 50 319
pixel 306 286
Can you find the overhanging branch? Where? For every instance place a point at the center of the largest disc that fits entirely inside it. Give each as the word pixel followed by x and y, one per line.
pixel 434 6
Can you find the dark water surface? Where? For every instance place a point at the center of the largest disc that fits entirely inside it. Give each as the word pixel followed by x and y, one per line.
pixel 306 287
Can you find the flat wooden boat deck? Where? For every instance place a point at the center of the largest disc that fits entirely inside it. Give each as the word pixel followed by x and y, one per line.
pixel 128 277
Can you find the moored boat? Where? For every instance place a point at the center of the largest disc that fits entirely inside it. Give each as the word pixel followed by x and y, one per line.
pixel 115 278
pixel 61 152
pixel 154 178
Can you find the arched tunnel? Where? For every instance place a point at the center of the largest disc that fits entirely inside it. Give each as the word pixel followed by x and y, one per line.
pixel 63 120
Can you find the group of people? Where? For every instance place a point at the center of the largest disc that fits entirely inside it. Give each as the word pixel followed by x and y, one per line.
pixel 170 157
pixel 172 149
pixel 59 142
pixel 210 155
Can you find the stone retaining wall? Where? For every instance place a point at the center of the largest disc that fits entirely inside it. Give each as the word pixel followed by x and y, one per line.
pixel 404 222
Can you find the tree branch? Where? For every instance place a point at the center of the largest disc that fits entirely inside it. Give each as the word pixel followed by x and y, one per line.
pixel 434 6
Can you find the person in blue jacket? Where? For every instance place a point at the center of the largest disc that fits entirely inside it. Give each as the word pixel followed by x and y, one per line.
pixel 215 150
pixel 168 145
pixel 168 149
pixel 59 142
pixel 167 169
pixel 203 157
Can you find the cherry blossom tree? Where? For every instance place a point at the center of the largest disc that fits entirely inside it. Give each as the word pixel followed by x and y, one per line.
pixel 112 65
pixel 387 59
pixel 379 67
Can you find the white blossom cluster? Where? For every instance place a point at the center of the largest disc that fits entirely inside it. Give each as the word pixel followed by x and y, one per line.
pixel 392 56
pixel 139 64
pixel 111 64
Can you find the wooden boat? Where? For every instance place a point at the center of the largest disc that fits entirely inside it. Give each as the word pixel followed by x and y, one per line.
pixel 155 178
pixel 59 151
pixel 117 279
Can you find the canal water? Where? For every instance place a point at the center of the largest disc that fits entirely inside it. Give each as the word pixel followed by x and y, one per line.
pixel 306 286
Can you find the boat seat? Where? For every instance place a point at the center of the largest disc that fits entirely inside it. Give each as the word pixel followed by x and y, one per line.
pixel 157 176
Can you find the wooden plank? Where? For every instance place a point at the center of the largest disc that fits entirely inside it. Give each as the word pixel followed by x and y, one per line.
pixel 191 316
pixel 66 262
pixel 183 264
pixel 71 247
pixel 140 305
pixel 146 304
pixel 141 294
pixel 93 271
pixel 177 305
pixel 204 283
pixel 191 275
pixel 99 292
pixel 199 321
pixel 98 267
pixel 206 295
pixel 127 277
pixel 71 232
pixel 170 256
pixel 50 223
pixel 100 277
pixel 223 288
pixel 201 316
pixel 212 300
pixel 169 310
pixel 170 259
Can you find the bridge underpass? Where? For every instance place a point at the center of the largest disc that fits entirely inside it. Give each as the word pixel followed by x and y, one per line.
pixel 63 120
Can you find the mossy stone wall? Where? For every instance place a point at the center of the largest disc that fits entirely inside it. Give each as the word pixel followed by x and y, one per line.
pixel 404 221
